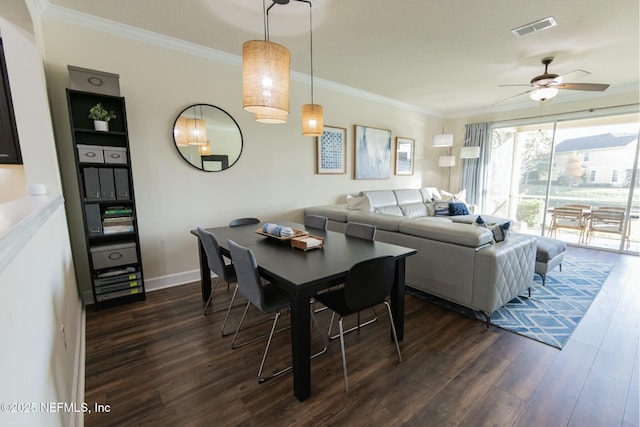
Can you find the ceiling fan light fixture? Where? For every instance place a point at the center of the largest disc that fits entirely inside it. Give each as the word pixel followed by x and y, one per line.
pixel 543 93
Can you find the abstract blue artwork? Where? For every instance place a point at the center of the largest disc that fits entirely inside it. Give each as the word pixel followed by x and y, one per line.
pixel 372 153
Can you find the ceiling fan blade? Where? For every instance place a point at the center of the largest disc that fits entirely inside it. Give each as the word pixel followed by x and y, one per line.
pixel 594 87
pixel 522 85
pixel 572 75
pixel 511 97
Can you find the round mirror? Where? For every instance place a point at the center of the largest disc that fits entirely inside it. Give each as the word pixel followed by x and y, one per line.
pixel 207 137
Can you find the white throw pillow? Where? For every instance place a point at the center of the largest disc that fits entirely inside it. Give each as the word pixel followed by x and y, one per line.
pixel 359 203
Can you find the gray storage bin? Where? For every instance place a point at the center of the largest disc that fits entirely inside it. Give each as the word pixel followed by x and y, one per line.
pixel 90 154
pixel 106 256
pixel 116 279
pixel 118 294
pixel 115 155
pixel 93 81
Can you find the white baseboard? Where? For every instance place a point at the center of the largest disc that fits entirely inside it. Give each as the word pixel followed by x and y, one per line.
pixel 156 283
pixel 79 369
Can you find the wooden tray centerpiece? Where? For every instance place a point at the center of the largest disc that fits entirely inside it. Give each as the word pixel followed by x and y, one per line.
pixel 296 233
pixel 307 242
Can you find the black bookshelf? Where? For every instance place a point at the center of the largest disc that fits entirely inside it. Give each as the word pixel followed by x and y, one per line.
pixel 105 184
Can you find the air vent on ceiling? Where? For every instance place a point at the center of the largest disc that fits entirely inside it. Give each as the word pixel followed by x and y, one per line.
pixel 533 27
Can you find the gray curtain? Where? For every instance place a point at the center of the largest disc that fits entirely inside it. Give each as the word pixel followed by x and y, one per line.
pixel 474 171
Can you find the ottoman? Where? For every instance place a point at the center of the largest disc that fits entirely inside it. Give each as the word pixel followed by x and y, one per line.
pixel 549 253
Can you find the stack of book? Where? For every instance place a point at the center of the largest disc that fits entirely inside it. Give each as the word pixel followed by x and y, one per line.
pixel 117 219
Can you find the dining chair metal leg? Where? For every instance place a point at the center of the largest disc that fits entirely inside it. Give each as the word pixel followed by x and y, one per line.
pixel 393 329
pixel 240 328
pixel 226 316
pixel 354 328
pixel 210 300
pixel 262 379
pixel 344 356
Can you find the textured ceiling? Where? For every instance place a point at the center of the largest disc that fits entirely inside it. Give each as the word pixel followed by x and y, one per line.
pixel 445 57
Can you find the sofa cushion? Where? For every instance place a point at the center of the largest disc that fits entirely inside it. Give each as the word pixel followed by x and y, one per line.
pixel 408 196
pixel 359 203
pixel 446 231
pixel 389 210
pixel 381 198
pixel 338 213
pixel 414 210
pixel 430 193
pixel 490 220
pixel 381 221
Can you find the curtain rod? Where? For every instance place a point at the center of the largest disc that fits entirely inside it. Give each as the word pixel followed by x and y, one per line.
pixel 588 110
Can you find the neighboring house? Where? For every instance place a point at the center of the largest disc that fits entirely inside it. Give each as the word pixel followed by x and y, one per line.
pixel 596 159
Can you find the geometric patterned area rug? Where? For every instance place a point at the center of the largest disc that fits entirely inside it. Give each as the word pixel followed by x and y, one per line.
pixel 554 311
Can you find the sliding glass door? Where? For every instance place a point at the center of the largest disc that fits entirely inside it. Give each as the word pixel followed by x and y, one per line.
pixel 587 165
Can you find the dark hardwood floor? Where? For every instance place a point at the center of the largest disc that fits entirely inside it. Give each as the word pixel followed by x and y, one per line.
pixel 161 362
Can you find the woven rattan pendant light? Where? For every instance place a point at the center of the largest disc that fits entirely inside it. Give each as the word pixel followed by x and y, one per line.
pixel 265 75
pixel 312 114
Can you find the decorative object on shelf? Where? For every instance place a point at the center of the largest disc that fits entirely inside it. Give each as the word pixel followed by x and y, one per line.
pixel 405 148
pixel 265 73
pixel 101 117
pixel 207 137
pixel 312 115
pixel 331 152
pixel 372 148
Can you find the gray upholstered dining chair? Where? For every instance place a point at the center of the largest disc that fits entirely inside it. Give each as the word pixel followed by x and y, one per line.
pixel 316 221
pixel 216 263
pixel 360 230
pixel 367 284
pixel 243 221
pixel 366 232
pixel 267 298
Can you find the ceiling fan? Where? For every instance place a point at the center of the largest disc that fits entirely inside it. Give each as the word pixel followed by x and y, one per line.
pixel 546 85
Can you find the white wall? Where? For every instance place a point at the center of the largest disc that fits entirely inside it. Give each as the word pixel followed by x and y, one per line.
pixel 38 294
pixel 273 180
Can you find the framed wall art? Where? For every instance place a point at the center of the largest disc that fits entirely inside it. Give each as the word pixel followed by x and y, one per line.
pixel 331 152
pixel 372 149
pixel 404 155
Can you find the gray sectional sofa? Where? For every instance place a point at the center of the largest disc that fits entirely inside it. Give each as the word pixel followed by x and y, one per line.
pixel 456 260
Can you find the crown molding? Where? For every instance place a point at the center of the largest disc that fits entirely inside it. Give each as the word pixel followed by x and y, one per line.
pixel 72 17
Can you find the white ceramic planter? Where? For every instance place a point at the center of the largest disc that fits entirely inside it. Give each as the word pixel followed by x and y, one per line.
pixel 101 125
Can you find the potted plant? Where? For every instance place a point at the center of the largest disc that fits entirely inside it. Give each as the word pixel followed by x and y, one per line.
pixel 101 117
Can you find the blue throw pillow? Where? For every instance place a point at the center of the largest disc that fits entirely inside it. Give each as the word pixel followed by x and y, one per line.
pixel 501 231
pixel 441 208
pixel 458 208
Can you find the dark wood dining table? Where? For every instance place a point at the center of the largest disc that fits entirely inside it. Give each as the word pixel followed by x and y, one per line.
pixel 303 273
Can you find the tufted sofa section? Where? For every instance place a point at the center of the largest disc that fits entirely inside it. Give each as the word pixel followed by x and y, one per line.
pixel 455 260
